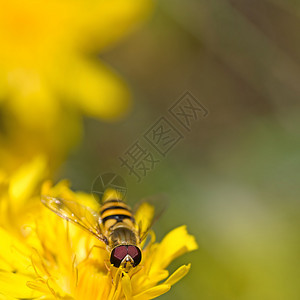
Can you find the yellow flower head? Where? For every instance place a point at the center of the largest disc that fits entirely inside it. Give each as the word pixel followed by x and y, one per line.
pixel 51 258
pixel 50 74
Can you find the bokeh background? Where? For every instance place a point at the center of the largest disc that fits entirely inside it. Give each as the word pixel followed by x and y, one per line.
pixel 234 179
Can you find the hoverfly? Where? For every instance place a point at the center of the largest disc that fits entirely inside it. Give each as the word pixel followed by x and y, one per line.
pixel 114 224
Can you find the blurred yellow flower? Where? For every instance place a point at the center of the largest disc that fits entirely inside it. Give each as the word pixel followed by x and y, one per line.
pixel 50 74
pixel 50 258
pixel 19 191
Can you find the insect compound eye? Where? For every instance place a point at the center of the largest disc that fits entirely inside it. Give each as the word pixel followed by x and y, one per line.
pixel 135 253
pixel 117 255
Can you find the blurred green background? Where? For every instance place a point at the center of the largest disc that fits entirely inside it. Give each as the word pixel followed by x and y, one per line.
pixel 234 179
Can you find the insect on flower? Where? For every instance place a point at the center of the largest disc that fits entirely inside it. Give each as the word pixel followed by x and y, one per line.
pixel 113 223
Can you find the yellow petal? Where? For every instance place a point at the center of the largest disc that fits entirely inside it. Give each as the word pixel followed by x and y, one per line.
pixel 5 297
pixel 36 94
pixel 87 200
pixel 142 282
pixel 153 292
pixel 14 255
pixel 144 216
pixel 25 181
pixel 126 285
pixel 15 285
pixel 98 91
pixel 118 15
pixel 61 190
pixel 160 275
pixel 92 284
pixel 175 243
pixel 111 194
pixel 178 274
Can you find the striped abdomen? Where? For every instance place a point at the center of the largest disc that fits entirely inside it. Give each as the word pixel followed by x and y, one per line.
pixel 114 212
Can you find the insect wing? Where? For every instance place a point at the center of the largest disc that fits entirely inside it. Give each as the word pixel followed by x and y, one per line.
pixel 76 213
pixel 147 212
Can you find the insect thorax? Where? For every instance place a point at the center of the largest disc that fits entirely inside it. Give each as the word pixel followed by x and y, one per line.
pixel 122 235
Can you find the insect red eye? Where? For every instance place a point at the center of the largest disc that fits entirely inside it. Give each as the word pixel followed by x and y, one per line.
pixel 135 253
pixel 117 255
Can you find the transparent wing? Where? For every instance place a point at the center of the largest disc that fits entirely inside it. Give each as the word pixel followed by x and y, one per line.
pixel 147 212
pixel 76 213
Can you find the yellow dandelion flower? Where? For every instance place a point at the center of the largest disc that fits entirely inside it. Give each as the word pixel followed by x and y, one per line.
pixel 54 259
pixel 50 74
pixel 19 191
